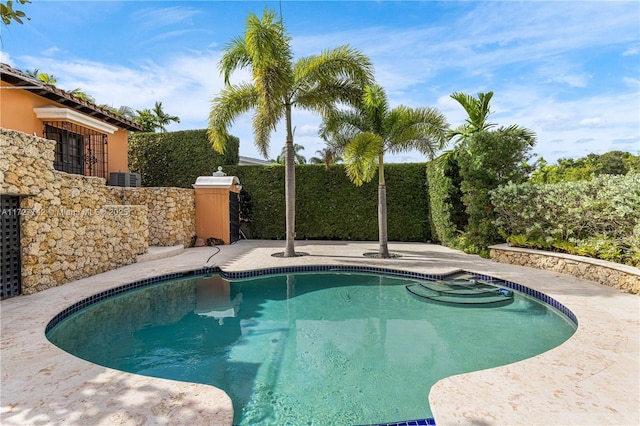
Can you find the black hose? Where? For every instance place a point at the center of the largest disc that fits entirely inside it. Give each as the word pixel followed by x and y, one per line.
pixel 217 248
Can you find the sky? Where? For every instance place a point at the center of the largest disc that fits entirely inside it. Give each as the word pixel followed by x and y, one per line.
pixel 568 71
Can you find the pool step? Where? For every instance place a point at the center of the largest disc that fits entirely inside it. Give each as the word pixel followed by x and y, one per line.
pixel 476 290
pixel 474 294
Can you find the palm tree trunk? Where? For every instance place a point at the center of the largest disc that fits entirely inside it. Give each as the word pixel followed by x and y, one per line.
pixel 383 250
pixel 290 189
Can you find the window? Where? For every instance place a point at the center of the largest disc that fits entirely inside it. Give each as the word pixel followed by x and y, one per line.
pixel 79 150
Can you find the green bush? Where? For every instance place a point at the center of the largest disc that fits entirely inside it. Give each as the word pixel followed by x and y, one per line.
pixel 488 160
pixel 570 170
pixel 447 215
pixel 176 158
pixel 329 206
pixel 599 218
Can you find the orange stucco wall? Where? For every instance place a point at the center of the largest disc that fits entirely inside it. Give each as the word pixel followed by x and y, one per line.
pixel 212 213
pixel 16 113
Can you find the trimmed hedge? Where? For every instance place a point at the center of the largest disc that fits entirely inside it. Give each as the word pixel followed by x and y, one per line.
pixel 177 158
pixel 329 206
pixel 447 217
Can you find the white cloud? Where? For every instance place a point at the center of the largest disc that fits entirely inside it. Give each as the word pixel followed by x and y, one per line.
pixel 167 16
pixel 591 122
pixel 5 58
pixel 529 53
pixel 50 51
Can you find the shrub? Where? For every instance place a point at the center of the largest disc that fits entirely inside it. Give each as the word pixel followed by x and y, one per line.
pixel 599 218
pixel 176 158
pixel 489 159
pixel 446 210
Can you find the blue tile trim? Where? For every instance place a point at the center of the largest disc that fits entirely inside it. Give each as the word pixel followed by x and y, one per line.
pixel 418 422
pixel 306 268
pixel 123 289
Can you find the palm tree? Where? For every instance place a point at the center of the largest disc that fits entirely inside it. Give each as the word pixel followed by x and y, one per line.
pixel 126 111
pixel 477 110
pixel 373 129
pixel 326 156
pixel 162 118
pixel 79 93
pixel 42 76
pixel 297 157
pixel 314 83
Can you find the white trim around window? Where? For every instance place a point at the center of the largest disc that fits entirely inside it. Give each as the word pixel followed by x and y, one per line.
pixel 55 113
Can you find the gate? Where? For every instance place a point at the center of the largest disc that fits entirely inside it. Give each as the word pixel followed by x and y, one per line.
pixel 234 217
pixel 10 269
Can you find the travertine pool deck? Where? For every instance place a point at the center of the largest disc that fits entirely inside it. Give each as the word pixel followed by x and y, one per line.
pixel 592 379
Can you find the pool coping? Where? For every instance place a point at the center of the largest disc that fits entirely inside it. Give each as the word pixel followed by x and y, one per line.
pixel 590 379
pixel 113 292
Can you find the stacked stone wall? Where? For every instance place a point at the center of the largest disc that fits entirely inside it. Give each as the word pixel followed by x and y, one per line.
pixel 74 226
pixel 171 212
pixel 624 277
pixel 70 226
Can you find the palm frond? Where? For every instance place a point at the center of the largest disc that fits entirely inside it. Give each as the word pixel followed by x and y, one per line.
pixel 335 75
pixel 235 57
pixel 375 107
pixel 477 110
pixel 346 123
pixel 342 62
pixel 519 132
pixel 269 49
pixel 361 157
pixel 263 124
pixel 229 104
pixel 423 129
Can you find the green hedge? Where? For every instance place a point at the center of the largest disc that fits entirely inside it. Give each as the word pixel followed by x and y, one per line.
pixel 448 217
pixel 329 206
pixel 176 158
pixel 598 218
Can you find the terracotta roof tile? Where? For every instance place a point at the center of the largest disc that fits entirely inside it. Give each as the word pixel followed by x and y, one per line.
pixel 18 78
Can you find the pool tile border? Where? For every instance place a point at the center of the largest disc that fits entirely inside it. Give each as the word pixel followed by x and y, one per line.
pixel 78 306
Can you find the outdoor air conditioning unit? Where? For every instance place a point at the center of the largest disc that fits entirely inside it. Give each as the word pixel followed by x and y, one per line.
pixel 124 179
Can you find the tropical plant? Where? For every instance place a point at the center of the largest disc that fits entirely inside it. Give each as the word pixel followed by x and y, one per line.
pixel 487 158
pixel 146 119
pixel 126 112
pixel 477 113
pixel 315 83
pixel 327 156
pixel 373 129
pixel 42 76
pixel 162 118
pixel 585 168
pixel 79 93
pixel 297 157
pixel 154 119
pixel 8 14
pixel 600 217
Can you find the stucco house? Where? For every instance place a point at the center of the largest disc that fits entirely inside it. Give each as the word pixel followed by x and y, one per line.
pixel 90 140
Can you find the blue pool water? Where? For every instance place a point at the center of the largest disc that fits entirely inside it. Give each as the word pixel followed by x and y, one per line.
pixel 307 348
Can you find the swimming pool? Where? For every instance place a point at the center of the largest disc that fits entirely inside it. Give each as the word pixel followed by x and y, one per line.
pixel 327 347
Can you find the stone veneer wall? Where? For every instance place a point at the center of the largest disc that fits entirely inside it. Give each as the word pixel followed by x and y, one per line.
pixel 626 278
pixel 171 212
pixel 75 226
